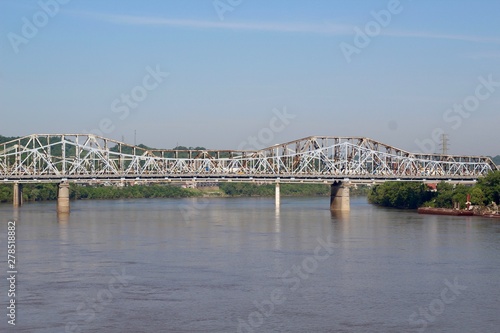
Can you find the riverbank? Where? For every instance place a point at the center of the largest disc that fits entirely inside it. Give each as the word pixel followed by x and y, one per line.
pixel 484 196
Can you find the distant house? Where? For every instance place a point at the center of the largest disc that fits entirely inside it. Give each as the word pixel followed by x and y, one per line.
pixel 432 187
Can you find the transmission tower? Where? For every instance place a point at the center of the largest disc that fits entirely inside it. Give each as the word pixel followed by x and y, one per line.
pixel 444 144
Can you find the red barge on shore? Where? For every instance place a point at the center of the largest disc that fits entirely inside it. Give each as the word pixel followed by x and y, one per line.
pixel 445 211
pixel 470 211
pixel 454 212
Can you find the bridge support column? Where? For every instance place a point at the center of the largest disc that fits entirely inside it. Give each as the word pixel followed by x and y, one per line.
pixel 18 195
pixel 63 198
pixel 339 197
pixel 277 197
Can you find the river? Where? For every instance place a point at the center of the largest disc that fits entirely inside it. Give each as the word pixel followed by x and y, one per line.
pixel 240 265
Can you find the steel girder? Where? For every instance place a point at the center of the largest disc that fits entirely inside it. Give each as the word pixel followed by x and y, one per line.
pixel 86 156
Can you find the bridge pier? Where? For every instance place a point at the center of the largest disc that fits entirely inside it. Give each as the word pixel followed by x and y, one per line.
pixel 339 197
pixel 63 198
pixel 277 197
pixel 18 195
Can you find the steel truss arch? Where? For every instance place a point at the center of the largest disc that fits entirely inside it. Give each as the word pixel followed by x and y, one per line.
pixel 87 156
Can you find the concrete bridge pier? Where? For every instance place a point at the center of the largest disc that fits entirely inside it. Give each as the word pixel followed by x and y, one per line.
pixel 339 197
pixel 63 198
pixel 277 198
pixel 18 195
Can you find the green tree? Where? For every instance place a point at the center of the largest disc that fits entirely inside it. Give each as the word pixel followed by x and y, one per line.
pixel 460 193
pixel 6 194
pixel 404 195
pixel 490 185
pixel 477 196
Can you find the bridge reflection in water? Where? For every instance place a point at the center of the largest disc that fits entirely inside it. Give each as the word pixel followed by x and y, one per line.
pixel 339 161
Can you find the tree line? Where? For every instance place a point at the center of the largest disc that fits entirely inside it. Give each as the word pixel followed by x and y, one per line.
pixel 47 191
pixel 267 190
pixel 411 195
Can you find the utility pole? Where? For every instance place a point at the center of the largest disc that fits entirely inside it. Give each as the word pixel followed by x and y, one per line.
pixel 135 137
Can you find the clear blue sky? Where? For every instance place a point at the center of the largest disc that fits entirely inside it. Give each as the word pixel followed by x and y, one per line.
pixel 228 71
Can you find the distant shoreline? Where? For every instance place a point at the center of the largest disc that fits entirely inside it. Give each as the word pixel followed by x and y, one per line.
pixel 48 192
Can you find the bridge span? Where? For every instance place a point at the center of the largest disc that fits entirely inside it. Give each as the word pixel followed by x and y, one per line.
pixel 339 161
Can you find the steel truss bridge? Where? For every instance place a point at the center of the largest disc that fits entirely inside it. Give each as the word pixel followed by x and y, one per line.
pixel 319 159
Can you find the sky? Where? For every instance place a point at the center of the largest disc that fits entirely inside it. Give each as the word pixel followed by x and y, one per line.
pixel 246 74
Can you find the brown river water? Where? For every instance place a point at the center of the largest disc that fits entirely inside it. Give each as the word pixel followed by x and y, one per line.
pixel 240 265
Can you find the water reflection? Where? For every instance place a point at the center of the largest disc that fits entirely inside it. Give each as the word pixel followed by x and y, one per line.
pixel 277 228
pixel 340 214
pixel 15 213
pixel 63 218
